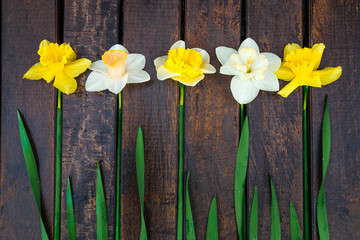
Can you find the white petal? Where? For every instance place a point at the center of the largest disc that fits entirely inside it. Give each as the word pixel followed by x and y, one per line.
pixel 96 82
pixel 249 43
pixel 115 85
pixel 134 61
pixel 99 66
pixel 243 91
pixel 259 63
pixel 178 44
pixel 247 54
pixel 224 53
pixel 191 83
pixel 160 61
pixel 119 47
pixel 204 55
pixel 164 73
pixel 268 83
pixel 274 61
pixel 228 69
pixel 208 68
pixel 138 76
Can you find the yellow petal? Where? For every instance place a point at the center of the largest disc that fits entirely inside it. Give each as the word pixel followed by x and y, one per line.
pixel 38 71
pixel 189 81
pixel 65 83
pixel 284 73
pixel 77 67
pixel 328 75
pixel 44 43
pixel 290 47
pixel 319 49
pixel 71 55
pixel 289 88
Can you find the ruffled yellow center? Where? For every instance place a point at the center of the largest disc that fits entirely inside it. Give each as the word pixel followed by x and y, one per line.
pixel 115 62
pixel 55 57
pixel 186 62
pixel 303 61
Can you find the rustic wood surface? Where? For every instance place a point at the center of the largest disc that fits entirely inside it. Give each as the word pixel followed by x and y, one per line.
pixel 211 118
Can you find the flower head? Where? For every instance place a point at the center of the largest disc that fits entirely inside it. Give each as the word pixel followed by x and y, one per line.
pixel 115 70
pixel 300 68
pixel 252 70
pixel 58 61
pixel 184 65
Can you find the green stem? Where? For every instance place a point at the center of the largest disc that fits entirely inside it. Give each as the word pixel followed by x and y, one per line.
pixel 58 169
pixel 181 165
pixel 243 222
pixel 242 115
pixel 306 166
pixel 118 172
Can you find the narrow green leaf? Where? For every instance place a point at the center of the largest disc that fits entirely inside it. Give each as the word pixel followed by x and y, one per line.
pixel 253 234
pixel 322 220
pixel 70 215
pixel 101 214
pixel 294 224
pixel 275 215
pixel 32 171
pixel 212 226
pixel 190 229
pixel 140 172
pixel 240 176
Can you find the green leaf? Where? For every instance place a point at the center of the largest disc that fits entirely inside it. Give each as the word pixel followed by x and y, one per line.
pixel 190 229
pixel 32 170
pixel 275 215
pixel 101 214
pixel 322 221
pixel 140 171
pixel 294 224
pixel 212 226
pixel 70 215
pixel 253 234
pixel 240 176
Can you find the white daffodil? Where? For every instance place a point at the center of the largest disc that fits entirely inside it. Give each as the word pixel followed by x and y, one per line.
pixel 252 70
pixel 115 70
pixel 184 65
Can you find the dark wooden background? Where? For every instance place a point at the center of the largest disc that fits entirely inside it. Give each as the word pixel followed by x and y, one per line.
pixel 211 115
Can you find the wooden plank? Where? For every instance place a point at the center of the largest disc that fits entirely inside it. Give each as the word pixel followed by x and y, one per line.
pixel 89 119
pixel 24 25
pixel 211 117
pixel 336 24
pixel 150 28
pixel 275 122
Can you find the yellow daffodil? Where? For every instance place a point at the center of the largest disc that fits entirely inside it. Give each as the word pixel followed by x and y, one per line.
pixel 58 61
pixel 184 65
pixel 117 68
pixel 252 70
pixel 300 68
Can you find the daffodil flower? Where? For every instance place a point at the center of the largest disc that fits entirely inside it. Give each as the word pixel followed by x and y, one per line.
pixel 252 70
pixel 187 66
pixel 300 68
pixel 115 70
pixel 58 61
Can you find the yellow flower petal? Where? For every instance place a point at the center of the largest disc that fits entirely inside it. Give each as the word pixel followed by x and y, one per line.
pixel 189 81
pixel 290 47
pixel 44 43
pixel 329 74
pixel 77 67
pixel 289 88
pixel 65 83
pixel 70 53
pixel 284 73
pixel 319 49
pixel 38 71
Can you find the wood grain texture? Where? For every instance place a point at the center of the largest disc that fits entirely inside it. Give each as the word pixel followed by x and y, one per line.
pixel 24 25
pixel 150 28
pixel 211 117
pixel 275 122
pixel 336 24
pixel 89 118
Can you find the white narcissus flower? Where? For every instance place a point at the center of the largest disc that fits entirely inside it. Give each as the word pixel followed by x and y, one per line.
pixel 184 65
pixel 252 70
pixel 115 70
